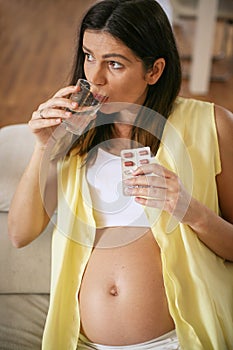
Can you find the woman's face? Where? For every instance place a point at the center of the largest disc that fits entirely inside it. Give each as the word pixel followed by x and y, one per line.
pixel 113 68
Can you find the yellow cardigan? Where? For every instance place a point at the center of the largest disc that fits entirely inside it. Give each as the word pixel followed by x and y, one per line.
pixel 198 284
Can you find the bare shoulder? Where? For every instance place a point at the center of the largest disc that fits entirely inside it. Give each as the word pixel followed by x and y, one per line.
pixel 224 125
pixel 224 122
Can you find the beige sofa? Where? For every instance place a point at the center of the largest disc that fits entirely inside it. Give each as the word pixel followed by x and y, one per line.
pixel 24 272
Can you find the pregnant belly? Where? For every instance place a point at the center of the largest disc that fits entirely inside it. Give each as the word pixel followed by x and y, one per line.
pixel 122 297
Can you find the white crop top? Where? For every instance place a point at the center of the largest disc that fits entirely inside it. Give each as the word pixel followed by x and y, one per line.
pixel 110 206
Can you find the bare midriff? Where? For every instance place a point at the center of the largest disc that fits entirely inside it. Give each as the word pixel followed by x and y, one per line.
pixel 122 296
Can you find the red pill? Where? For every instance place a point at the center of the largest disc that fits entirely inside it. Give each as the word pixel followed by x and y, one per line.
pixel 129 163
pixel 143 152
pixel 128 154
pixel 144 161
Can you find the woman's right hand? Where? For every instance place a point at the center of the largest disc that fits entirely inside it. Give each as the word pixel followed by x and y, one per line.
pixel 50 114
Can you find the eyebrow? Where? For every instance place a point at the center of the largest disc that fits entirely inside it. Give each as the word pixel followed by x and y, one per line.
pixel 110 55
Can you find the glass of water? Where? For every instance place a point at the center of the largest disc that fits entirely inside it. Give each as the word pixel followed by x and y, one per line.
pixel 89 102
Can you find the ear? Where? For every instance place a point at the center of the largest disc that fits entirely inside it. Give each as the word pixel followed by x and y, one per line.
pixel 154 73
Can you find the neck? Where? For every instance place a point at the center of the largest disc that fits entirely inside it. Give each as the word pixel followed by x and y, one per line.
pixel 124 121
pixel 122 130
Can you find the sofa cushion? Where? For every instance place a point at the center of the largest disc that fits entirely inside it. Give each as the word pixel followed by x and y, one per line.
pixel 22 319
pixel 16 145
pixel 25 270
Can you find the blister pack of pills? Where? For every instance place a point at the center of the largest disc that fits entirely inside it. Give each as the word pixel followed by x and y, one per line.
pixel 131 159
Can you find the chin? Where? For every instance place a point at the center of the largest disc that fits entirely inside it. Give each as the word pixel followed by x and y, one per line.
pixel 114 107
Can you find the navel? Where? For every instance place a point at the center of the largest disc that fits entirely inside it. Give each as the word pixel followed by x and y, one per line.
pixel 114 291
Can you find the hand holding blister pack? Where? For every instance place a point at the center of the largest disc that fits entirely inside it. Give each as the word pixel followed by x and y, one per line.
pixel 131 159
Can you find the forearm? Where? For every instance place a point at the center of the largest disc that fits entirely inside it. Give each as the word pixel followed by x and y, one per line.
pixel 27 216
pixel 215 232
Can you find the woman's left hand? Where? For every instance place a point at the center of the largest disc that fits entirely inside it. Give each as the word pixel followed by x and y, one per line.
pixel 155 186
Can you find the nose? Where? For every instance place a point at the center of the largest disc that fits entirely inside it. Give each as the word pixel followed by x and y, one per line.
pixel 97 76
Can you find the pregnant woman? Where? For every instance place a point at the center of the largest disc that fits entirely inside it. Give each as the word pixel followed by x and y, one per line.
pixel 150 268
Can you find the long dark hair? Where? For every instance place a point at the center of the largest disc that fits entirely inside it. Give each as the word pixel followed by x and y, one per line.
pixel 142 26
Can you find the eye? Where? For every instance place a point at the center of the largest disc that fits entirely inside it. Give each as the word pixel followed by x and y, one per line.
pixel 88 57
pixel 115 65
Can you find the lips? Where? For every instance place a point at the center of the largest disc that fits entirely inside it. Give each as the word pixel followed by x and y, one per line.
pixel 100 98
